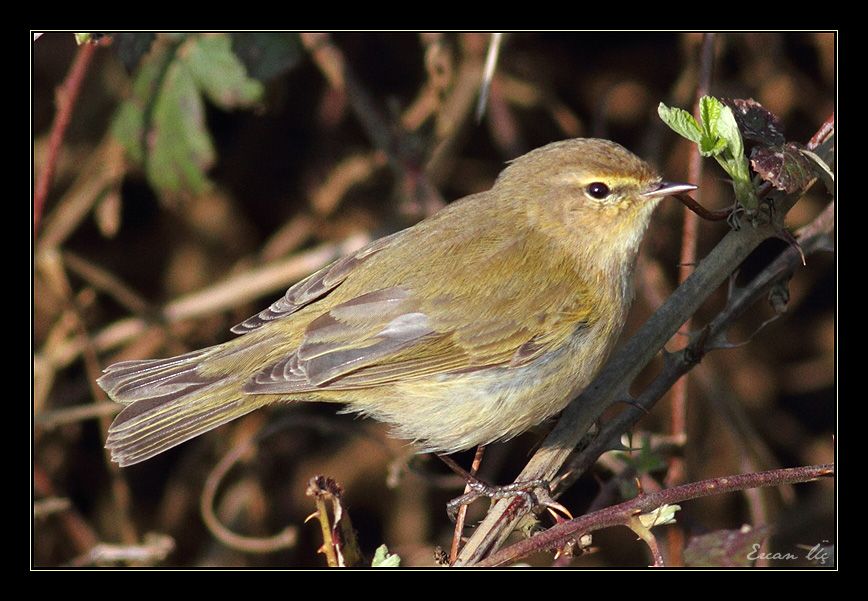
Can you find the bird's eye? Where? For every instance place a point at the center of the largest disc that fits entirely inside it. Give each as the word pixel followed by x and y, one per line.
pixel 597 190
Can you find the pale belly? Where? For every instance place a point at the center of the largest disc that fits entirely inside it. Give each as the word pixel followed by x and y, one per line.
pixel 452 412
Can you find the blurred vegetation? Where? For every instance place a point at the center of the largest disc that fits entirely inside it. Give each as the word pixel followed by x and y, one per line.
pixel 202 174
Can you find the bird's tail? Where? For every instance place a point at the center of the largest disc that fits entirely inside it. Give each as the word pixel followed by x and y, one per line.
pixel 168 401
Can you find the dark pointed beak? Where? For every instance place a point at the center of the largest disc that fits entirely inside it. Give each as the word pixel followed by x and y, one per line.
pixel 667 189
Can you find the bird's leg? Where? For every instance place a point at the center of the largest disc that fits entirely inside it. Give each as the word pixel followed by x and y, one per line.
pixel 536 493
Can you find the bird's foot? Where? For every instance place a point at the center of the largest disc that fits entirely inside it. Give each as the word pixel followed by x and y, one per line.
pixel 535 493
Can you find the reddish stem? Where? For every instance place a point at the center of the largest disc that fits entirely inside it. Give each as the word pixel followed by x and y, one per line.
pixel 65 97
pixel 462 511
pixel 824 132
pixel 620 514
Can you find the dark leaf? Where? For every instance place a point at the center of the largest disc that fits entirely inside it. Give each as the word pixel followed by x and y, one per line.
pixel 131 47
pixel 725 548
pixel 265 55
pixel 785 167
pixel 756 122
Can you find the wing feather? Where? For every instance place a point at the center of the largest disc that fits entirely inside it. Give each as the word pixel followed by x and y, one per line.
pixel 397 333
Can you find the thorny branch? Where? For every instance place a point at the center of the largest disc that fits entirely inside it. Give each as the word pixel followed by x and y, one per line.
pixel 621 514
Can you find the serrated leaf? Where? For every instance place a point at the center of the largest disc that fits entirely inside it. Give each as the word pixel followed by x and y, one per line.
pixel 711 146
pixel 681 122
pixel 179 147
pixel 784 167
pixel 265 55
pixel 219 73
pixel 709 113
pixel 384 559
pixel 725 548
pixel 756 122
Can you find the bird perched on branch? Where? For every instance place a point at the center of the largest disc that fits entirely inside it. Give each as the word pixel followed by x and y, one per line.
pixel 467 328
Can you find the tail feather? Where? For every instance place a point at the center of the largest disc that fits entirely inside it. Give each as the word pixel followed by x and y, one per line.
pixel 168 402
pixel 161 428
pixel 130 381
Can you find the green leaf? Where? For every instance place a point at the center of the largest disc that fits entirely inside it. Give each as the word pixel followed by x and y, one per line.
pixel 717 136
pixel 219 73
pixel 162 125
pixel 711 146
pixel 128 124
pixel 384 559
pixel 179 147
pixel 709 113
pixel 727 128
pixel 681 122
pixel 712 143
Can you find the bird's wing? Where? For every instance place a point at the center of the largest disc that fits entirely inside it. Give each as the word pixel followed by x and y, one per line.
pixel 418 328
pixel 314 287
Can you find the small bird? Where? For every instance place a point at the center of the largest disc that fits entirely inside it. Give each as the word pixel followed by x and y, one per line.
pixel 467 328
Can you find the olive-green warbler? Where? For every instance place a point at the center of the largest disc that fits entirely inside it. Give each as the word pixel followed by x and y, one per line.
pixel 469 327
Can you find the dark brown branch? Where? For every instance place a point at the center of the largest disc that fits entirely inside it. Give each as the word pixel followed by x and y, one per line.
pixel 620 514
pixel 813 239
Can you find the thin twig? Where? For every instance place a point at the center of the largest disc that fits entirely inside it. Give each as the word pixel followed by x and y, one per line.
pixel 822 134
pixel 52 266
pixel 66 96
pixel 462 511
pixel 70 415
pixel 46 507
pixel 675 474
pixel 107 282
pixel 154 549
pixel 620 514
pixel 488 73
pixel 102 172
